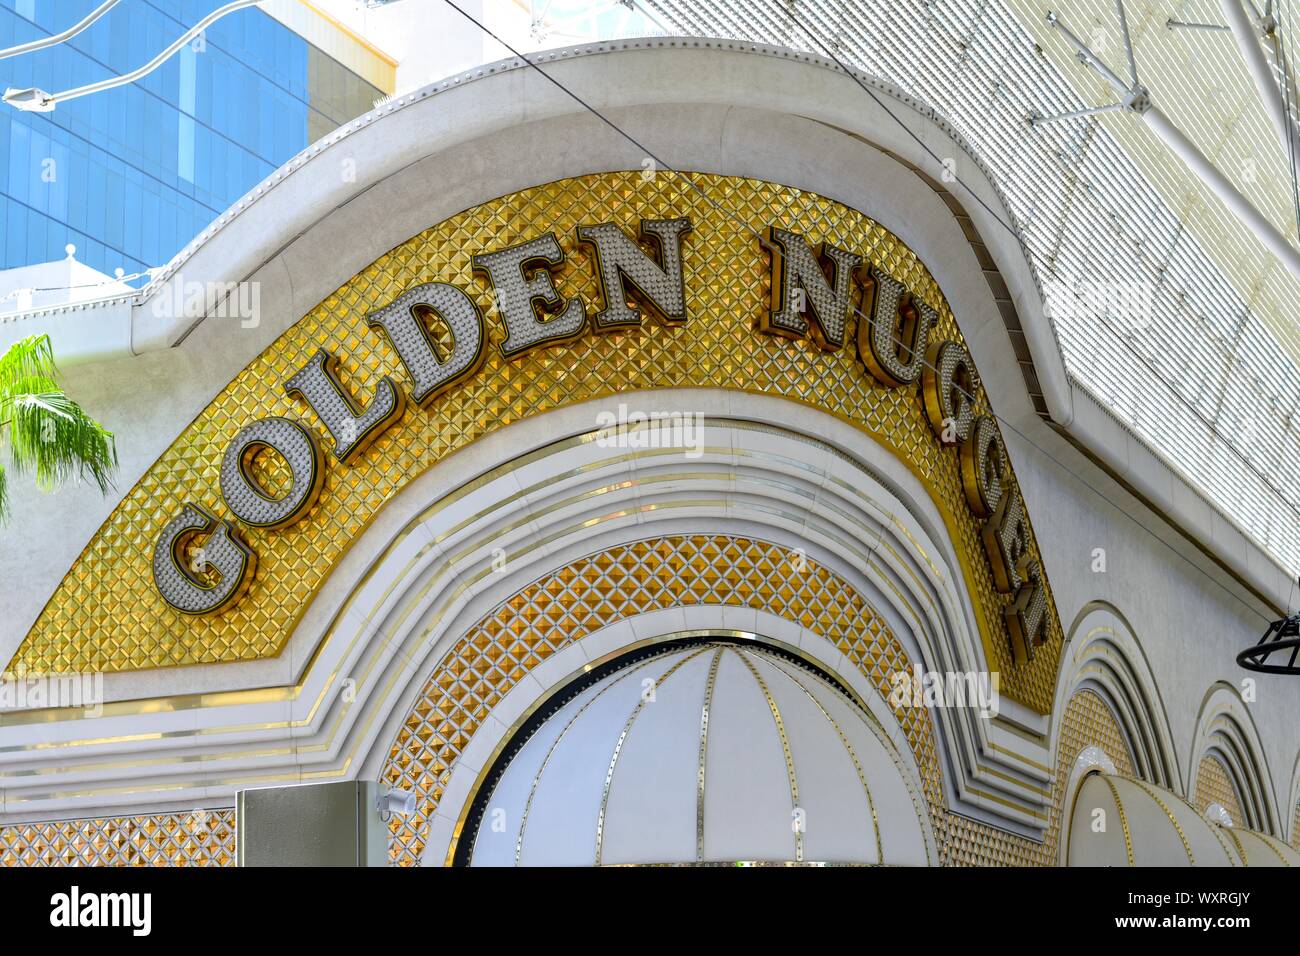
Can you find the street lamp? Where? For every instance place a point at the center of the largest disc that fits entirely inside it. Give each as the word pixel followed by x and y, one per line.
pixel 36 100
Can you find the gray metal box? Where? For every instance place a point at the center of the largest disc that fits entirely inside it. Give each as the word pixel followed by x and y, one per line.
pixel 323 824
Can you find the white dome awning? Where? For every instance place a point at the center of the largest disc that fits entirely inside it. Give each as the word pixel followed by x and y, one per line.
pixel 1120 821
pixel 706 753
pixel 1260 849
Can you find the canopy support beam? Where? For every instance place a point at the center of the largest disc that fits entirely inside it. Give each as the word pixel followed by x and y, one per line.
pixel 1135 99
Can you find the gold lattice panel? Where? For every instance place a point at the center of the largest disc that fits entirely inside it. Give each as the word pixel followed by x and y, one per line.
pixel 1295 828
pixel 649 575
pixel 1214 785
pixel 198 838
pixel 107 615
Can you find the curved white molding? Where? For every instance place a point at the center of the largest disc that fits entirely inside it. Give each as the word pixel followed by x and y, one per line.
pixel 1226 729
pixel 1103 654
pixel 420 577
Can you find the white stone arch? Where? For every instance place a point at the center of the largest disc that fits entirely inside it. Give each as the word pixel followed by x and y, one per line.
pixel 1226 730
pixel 1289 815
pixel 1102 654
pixel 545 492
pixel 865 516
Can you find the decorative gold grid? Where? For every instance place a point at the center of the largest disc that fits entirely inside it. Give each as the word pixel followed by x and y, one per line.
pixel 1214 785
pixel 674 571
pixel 107 615
pixel 198 838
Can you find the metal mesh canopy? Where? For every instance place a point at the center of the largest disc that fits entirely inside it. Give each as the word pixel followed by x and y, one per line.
pixel 1179 322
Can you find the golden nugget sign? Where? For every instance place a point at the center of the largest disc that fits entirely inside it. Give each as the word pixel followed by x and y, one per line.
pixel 815 292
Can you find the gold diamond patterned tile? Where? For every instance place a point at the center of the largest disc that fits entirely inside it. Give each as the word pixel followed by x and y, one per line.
pixel 107 615
pixel 199 838
pixel 1213 785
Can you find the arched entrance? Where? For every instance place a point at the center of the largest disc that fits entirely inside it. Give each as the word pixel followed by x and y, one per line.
pixel 703 750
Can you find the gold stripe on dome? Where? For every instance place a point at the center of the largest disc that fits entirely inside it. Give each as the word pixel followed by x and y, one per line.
pixel 1218 831
pixel 852 755
pixel 1271 842
pixel 785 752
pixel 618 749
pixel 1226 836
pixel 701 773
pixel 107 615
pixel 1123 817
pixel 541 768
pixel 1178 827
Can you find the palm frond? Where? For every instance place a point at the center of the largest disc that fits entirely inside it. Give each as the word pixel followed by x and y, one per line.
pixel 32 357
pixel 51 435
pixel 48 433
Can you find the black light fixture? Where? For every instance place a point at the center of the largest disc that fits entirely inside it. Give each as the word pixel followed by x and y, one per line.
pixel 1266 656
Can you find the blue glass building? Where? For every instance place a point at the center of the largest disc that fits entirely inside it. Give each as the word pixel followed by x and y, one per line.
pixel 132 174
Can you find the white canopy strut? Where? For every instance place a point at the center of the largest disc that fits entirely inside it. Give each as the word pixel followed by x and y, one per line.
pixel 1135 99
pixel 1247 33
